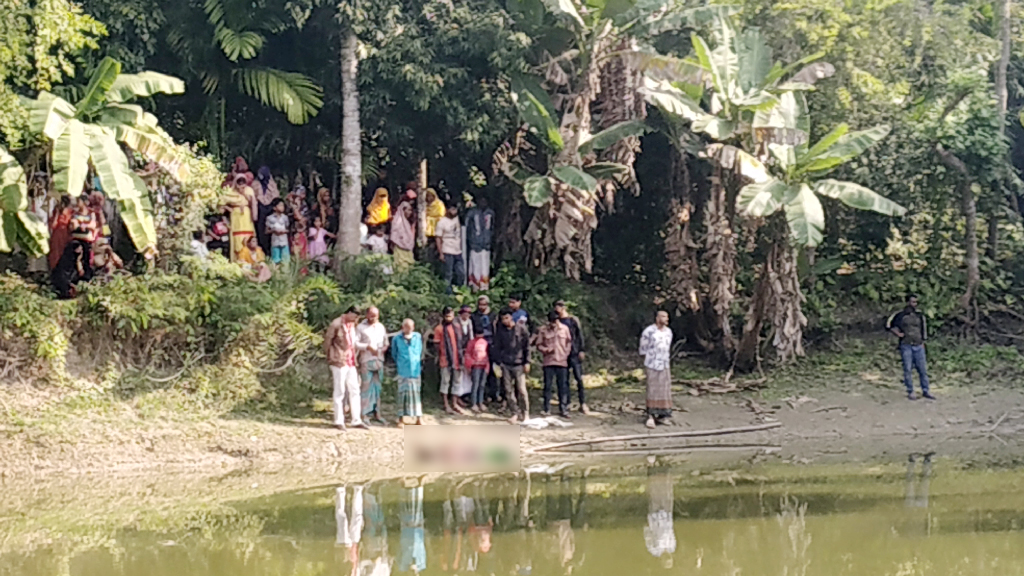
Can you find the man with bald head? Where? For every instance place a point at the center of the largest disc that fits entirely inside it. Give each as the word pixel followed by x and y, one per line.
pixel 407 350
pixel 372 343
pixel 656 348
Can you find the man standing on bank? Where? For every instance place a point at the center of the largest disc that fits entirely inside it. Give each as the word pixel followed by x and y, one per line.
pixel 910 327
pixel 340 348
pixel 554 342
pixel 512 353
pixel 576 353
pixel 656 348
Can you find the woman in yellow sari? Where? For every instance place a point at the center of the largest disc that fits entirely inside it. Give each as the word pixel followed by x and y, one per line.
pixel 240 200
pixel 435 211
pixel 379 210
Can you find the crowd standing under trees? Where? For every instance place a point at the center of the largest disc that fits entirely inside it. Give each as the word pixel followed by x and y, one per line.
pixel 732 128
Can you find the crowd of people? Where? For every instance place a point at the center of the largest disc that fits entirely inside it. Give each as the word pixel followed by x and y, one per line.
pixel 483 359
pixel 80 240
pixel 538 514
pixel 260 229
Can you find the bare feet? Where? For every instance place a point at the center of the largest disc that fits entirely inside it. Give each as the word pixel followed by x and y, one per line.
pixel 419 421
pixel 650 423
pixel 513 420
pixel 340 427
pixel 361 426
pixel 584 409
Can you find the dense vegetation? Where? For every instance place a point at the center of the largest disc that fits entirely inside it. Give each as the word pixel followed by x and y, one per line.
pixel 767 170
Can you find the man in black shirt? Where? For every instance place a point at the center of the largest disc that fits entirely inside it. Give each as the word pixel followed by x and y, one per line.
pixel 577 353
pixel 512 353
pixel 910 327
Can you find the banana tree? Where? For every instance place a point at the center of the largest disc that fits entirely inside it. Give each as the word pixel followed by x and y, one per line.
pixel 92 131
pixel 572 73
pixel 18 226
pixel 721 92
pixel 790 198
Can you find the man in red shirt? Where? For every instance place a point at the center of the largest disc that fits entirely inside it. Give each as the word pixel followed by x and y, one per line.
pixel 340 348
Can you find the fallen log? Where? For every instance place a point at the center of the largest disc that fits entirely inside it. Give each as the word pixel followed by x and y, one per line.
pixel 681 434
pixel 676 450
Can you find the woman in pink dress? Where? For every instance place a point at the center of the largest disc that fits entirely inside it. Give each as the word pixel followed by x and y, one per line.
pixel 317 249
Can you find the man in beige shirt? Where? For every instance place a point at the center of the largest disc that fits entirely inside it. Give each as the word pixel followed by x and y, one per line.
pixel 554 341
pixel 449 247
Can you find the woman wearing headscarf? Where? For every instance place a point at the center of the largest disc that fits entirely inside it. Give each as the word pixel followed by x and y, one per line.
pixel 60 232
pixel 238 168
pixel 241 201
pixel 266 192
pixel 435 211
pixel 325 207
pixel 379 210
pixel 72 267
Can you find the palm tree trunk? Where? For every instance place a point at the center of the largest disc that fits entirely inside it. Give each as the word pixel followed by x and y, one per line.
pixel 351 152
pixel 970 210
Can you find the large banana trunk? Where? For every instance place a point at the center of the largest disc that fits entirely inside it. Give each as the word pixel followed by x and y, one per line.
pixel 351 152
pixel 778 300
pixel 720 243
pixel 560 232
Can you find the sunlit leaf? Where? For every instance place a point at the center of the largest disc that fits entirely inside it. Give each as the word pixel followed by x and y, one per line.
pixel 127 87
pixel 564 8
pixel 805 216
pixel 71 159
pixel 859 197
pixel 761 200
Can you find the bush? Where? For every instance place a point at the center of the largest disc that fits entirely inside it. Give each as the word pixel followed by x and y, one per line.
pixel 34 330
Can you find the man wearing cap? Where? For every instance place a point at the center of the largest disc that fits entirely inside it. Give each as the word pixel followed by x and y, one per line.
pixel 340 343
pixel 576 352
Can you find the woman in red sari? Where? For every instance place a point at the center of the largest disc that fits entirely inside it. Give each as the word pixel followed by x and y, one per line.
pixel 60 232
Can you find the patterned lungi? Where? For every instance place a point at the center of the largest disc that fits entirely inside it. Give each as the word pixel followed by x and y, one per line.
pixel 371 374
pixel 659 393
pixel 409 399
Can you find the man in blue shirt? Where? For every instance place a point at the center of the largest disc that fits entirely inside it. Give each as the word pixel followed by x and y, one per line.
pixel 519 316
pixel 407 350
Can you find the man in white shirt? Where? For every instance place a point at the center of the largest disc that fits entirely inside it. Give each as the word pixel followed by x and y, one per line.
pixel 449 246
pixel 371 343
pixel 199 248
pixel 656 348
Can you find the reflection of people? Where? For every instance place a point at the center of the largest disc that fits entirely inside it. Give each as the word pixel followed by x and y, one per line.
pixel 414 549
pixel 375 540
pixel 659 534
pixel 350 529
pixel 917 487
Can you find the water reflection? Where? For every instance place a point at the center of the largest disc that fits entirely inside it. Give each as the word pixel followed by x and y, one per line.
pixel 659 534
pixel 900 518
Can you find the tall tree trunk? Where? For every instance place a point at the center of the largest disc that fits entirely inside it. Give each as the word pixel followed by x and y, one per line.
pixel 721 256
pixel 351 152
pixel 1002 92
pixel 421 206
pixel 992 248
pixel 970 210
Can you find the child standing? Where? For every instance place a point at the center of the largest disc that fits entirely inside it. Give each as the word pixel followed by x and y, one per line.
pixel 277 226
pixel 478 365
pixel 318 242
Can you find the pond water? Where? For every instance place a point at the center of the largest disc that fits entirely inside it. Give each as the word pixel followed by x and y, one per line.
pixel 914 515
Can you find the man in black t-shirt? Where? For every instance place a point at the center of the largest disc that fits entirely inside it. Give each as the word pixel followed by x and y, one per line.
pixel 910 327
pixel 577 353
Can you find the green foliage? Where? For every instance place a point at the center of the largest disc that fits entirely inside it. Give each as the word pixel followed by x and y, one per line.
pixel 38 43
pixel 32 319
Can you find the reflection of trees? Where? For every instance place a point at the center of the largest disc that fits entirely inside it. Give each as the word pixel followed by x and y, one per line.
pixel 792 519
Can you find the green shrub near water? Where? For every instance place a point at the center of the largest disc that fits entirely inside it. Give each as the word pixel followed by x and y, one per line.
pixel 222 341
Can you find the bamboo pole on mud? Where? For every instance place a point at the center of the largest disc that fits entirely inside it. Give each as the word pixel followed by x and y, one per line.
pixel 682 434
